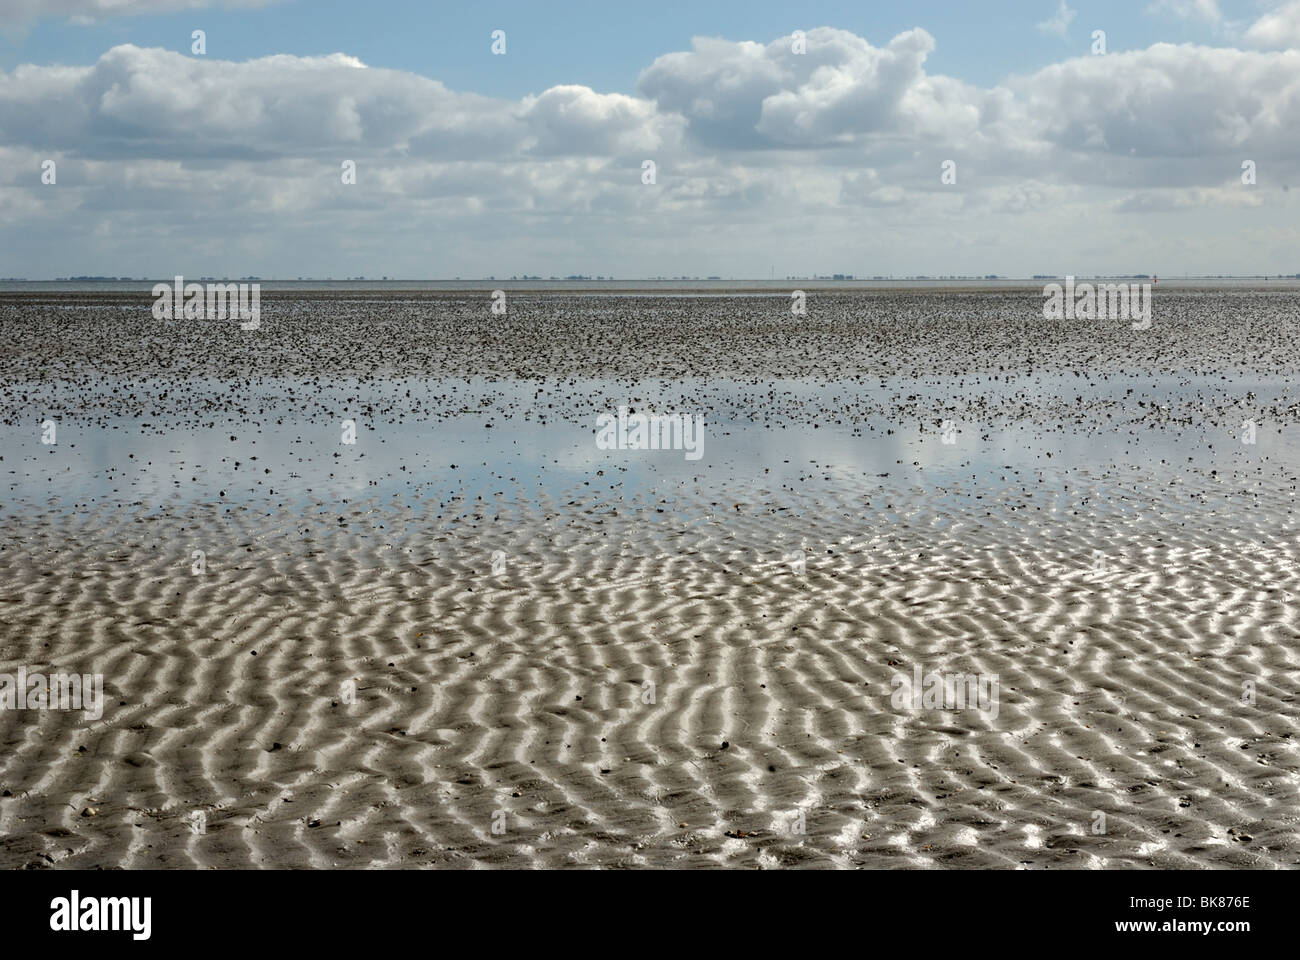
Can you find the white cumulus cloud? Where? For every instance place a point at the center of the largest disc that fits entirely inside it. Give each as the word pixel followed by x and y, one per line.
pixel 235 166
pixel 1277 28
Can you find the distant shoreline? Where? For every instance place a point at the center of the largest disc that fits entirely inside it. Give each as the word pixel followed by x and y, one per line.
pixel 644 286
pixel 836 278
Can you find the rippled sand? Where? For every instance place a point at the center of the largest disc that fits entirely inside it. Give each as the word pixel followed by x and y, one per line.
pixel 685 667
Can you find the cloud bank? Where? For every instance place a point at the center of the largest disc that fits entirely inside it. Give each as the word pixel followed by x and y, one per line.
pixel 830 159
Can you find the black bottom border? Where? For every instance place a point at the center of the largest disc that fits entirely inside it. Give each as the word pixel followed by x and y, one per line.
pixel 366 909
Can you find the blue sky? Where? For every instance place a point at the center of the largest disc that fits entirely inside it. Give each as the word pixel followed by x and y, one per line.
pixel 825 159
pixel 605 44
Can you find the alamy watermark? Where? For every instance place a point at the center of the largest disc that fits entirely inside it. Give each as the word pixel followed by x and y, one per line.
pixel 75 913
pixel 215 301
pixel 55 691
pixel 952 691
pixel 651 431
pixel 1103 301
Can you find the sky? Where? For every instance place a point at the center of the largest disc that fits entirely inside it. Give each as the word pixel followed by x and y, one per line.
pixel 342 139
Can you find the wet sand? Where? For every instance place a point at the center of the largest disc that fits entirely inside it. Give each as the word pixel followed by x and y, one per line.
pixel 472 639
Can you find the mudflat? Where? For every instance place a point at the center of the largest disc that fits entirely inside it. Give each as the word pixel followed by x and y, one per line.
pixel 363 589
